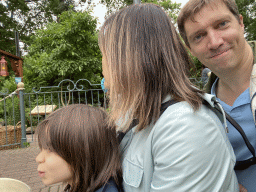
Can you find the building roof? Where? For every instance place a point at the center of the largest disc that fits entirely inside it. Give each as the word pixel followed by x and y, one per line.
pixel 9 55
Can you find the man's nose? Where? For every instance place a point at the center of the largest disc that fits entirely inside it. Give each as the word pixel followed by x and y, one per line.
pixel 215 40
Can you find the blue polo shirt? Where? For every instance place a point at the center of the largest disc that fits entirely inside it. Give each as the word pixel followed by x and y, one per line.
pixel 241 112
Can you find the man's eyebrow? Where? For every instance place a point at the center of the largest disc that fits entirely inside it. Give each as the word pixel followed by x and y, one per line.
pixel 223 18
pixel 192 35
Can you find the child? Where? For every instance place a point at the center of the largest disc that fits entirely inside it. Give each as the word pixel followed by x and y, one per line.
pixel 80 150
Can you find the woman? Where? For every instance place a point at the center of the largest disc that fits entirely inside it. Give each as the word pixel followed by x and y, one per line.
pixel 79 150
pixel 144 65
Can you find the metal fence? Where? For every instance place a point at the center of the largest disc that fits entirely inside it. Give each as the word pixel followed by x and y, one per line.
pixel 22 111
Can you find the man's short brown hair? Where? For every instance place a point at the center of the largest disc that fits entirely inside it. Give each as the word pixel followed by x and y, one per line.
pixel 194 6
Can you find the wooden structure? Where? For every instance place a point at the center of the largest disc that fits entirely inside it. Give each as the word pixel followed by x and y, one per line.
pixel 13 134
pixel 16 62
pixel 43 109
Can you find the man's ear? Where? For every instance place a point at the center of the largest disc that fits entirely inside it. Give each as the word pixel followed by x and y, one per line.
pixel 241 21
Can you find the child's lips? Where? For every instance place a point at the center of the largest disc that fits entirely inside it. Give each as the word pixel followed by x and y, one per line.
pixel 41 173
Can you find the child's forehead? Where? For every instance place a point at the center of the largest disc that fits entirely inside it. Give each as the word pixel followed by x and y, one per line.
pixel 44 139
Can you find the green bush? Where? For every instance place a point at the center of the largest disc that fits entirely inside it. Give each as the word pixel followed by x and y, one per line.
pixel 9 108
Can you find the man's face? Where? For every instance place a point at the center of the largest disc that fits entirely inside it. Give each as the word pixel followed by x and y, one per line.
pixel 216 37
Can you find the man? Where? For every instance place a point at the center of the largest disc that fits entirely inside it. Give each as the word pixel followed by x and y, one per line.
pixel 213 30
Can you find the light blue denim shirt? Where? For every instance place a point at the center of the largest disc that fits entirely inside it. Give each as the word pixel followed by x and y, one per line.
pixel 241 112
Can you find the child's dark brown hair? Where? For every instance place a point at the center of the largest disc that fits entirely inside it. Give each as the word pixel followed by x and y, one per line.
pixel 81 136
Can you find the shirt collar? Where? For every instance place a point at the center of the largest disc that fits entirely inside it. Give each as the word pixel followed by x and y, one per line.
pixel 213 89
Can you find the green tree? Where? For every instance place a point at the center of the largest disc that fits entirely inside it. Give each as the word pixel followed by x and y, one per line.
pixel 65 50
pixel 170 7
pixel 26 16
pixel 247 8
pixel 10 106
pixel 7 25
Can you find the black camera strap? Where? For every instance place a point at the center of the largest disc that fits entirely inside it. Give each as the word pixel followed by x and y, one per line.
pixel 241 165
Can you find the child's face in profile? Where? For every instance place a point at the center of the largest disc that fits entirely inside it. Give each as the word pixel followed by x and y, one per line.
pixel 52 168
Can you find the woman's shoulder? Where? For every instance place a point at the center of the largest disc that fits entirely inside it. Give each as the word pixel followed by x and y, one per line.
pixel 184 109
pixel 182 118
pixel 181 109
pixel 110 186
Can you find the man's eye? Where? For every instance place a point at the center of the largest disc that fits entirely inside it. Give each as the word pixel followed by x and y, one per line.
pixel 223 24
pixel 197 37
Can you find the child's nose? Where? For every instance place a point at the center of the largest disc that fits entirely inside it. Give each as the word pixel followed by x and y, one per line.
pixel 40 157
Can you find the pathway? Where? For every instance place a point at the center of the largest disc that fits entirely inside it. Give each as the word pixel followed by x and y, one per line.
pixel 20 164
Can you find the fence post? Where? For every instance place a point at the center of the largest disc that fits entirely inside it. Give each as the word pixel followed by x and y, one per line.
pixel 22 114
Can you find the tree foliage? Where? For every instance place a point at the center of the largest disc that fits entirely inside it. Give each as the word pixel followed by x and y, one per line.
pixel 172 8
pixel 6 30
pixel 247 9
pixel 26 16
pixel 65 50
pixel 10 106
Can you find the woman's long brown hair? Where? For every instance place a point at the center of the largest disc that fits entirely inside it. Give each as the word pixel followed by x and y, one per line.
pixel 80 135
pixel 147 61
